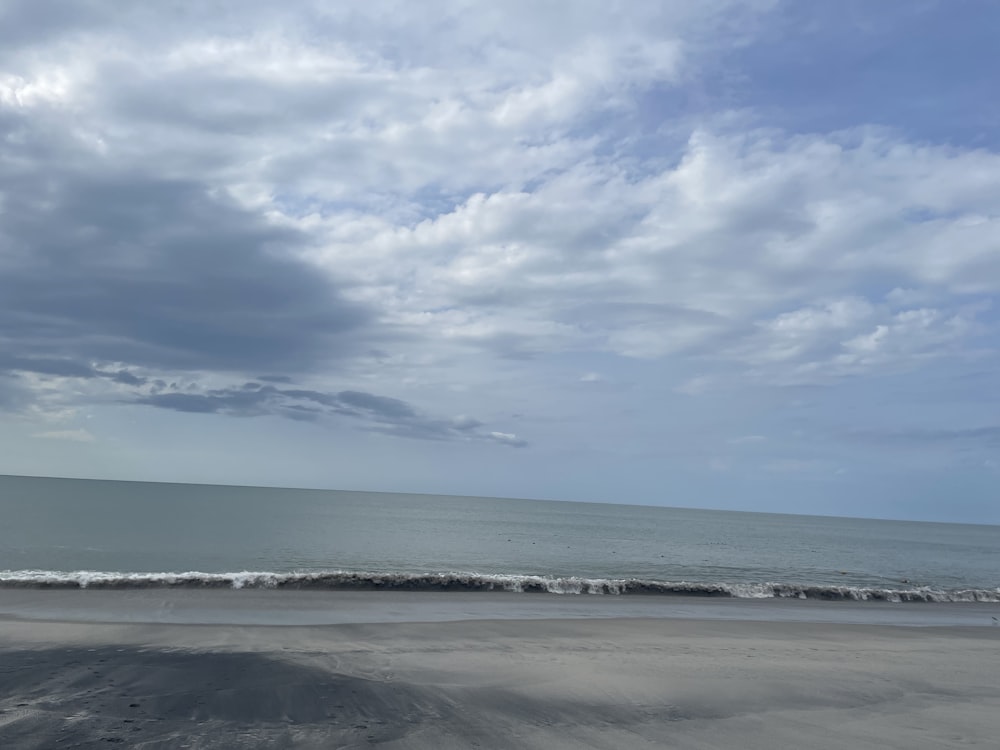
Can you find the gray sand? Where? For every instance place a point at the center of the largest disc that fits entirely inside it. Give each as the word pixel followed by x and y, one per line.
pixel 544 683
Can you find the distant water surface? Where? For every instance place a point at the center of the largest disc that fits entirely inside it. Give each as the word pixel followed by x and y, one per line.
pixel 70 532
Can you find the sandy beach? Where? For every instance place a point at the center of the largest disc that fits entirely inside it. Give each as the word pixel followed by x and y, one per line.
pixel 595 681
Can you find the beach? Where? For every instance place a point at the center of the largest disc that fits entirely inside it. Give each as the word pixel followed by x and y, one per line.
pixel 164 669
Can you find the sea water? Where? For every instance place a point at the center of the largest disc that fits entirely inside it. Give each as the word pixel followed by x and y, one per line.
pixel 86 533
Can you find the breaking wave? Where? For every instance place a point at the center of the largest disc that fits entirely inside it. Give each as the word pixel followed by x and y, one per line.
pixel 346 580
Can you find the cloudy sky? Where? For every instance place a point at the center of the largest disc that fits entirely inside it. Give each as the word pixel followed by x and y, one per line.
pixel 717 254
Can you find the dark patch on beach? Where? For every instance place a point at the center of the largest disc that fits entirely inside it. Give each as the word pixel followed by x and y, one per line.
pixel 86 698
pixel 165 699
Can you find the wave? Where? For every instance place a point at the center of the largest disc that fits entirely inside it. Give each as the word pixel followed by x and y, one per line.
pixel 348 580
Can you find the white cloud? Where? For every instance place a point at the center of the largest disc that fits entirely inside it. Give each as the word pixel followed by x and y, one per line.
pixel 47 87
pixel 677 261
pixel 851 337
pixel 907 335
pixel 507 438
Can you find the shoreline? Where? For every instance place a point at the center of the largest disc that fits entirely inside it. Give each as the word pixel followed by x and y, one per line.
pixel 558 683
pixel 283 607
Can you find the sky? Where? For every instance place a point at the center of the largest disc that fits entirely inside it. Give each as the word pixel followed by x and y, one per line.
pixel 738 255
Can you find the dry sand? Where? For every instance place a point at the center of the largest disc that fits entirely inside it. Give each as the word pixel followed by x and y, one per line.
pixel 544 683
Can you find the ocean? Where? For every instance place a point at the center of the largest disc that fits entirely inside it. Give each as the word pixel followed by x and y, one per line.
pixel 72 533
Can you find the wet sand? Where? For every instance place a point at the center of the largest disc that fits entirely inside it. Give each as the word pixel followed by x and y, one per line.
pixel 599 681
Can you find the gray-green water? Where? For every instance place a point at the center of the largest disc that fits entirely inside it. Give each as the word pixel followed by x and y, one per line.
pixel 73 532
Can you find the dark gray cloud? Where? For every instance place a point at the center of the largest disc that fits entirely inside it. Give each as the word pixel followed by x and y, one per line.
pixel 126 378
pixel 380 406
pixel 121 266
pixel 377 413
pixel 195 403
pixel 65 368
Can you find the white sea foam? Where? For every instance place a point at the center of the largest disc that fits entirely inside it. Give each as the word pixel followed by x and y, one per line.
pixel 568 585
